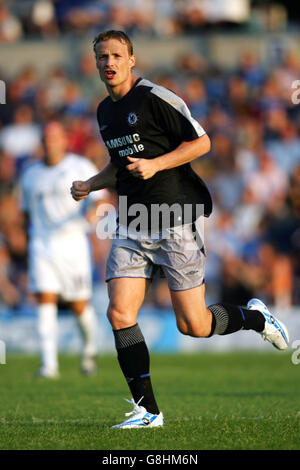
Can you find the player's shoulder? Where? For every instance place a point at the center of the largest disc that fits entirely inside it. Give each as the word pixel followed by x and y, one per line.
pixel 162 95
pixel 104 104
pixel 161 92
pixel 141 86
pixel 105 101
pixel 31 169
pixel 71 157
pixel 74 160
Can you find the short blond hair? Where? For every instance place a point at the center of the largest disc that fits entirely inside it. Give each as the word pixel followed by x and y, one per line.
pixel 114 34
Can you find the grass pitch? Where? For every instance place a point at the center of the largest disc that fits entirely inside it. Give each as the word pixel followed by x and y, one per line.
pixel 210 401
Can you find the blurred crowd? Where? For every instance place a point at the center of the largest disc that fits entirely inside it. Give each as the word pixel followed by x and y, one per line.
pixel 253 170
pixel 20 19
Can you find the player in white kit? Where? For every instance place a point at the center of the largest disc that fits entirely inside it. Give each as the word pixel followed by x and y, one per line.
pixel 59 251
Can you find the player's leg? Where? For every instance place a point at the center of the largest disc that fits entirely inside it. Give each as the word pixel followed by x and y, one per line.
pixel 126 297
pixel 74 269
pixel 48 333
pixel 183 263
pixel 87 322
pixel 194 318
pixel 128 274
pixel 44 284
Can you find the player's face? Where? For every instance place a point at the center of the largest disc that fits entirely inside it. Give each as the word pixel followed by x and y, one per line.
pixel 55 141
pixel 114 62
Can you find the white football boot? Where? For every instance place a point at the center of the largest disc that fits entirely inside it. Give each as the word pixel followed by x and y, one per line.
pixel 140 418
pixel 275 331
pixel 88 365
pixel 45 373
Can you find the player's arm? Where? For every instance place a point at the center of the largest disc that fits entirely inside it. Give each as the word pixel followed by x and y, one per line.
pixel 106 178
pixel 184 153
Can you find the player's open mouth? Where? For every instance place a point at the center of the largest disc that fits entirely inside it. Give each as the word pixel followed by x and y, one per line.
pixel 109 74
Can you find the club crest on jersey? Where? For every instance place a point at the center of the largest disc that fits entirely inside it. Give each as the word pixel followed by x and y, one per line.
pixel 132 119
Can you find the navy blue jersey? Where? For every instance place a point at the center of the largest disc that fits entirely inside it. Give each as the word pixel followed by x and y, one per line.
pixel 147 122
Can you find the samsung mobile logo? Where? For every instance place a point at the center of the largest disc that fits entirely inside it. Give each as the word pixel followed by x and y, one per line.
pixel 121 141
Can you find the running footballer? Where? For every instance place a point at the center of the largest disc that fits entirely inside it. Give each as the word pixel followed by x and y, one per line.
pixel 152 138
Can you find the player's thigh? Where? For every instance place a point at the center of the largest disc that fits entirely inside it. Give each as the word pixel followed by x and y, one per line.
pixel 192 316
pixel 126 296
pixel 127 259
pixel 181 259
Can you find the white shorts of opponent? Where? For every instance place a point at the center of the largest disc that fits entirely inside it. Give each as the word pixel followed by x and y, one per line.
pixel 61 264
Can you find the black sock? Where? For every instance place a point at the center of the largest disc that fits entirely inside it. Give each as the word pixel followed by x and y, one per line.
pixel 133 357
pixel 230 318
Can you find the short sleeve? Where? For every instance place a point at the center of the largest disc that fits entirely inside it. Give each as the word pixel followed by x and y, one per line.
pixel 173 115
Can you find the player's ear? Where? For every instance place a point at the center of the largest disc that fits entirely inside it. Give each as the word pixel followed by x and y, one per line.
pixel 132 60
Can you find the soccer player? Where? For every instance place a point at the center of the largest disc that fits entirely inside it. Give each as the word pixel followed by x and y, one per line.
pixel 152 138
pixel 59 251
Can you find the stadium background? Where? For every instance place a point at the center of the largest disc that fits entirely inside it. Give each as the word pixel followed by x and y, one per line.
pixel 234 63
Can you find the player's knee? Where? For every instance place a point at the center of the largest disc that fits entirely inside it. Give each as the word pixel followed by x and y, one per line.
pixel 113 315
pixel 46 298
pixel 118 318
pixel 78 306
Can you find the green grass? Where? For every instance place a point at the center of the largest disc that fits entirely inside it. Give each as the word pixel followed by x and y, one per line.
pixel 210 401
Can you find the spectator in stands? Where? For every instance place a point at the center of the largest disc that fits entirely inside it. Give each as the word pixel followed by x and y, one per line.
pixel 251 70
pixel 43 18
pixel 196 98
pixel 21 139
pixel 9 292
pixel 269 182
pixel 13 254
pixel 248 113
pixel 284 147
pixel 24 87
pixel 7 173
pixel 51 93
pixel 85 16
pixel 227 184
pixel 10 26
pixel 88 79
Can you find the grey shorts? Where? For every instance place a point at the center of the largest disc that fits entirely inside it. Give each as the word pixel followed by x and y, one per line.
pixel 180 258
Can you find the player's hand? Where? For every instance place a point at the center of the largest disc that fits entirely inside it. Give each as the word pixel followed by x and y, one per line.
pixel 80 190
pixel 141 168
